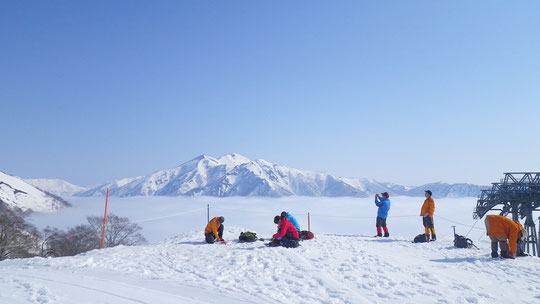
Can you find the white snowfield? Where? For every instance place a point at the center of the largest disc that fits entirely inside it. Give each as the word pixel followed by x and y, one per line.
pixel 343 264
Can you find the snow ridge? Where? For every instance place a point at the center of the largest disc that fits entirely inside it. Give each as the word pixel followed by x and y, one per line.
pixel 55 186
pixel 236 175
pixel 17 193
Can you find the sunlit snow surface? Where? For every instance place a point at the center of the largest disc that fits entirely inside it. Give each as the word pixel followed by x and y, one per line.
pixel 16 192
pixel 343 264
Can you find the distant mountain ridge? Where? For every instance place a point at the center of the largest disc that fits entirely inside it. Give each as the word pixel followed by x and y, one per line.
pixel 55 186
pixel 16 193
pixel 236 175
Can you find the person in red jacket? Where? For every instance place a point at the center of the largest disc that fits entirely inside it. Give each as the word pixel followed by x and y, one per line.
pixel 287 235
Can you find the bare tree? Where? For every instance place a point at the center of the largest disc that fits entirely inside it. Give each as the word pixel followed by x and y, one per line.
pixel 83 238
pixel 79 239
pixel 119 230
pixel 18 238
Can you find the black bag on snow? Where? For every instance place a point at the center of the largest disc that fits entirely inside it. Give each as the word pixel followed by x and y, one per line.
pixel 248 236
pixel 421 238
pixel 462 242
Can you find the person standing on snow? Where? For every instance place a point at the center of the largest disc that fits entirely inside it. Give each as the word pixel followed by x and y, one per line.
pixel 287 235
pixel 214 230
pixel 506 233
pixel 291 219
pixel 428 208
pixel 383 202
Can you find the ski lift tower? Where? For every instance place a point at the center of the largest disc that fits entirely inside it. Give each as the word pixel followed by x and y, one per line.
pixel 519 194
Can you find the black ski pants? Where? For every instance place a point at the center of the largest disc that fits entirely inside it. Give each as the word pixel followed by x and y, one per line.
pixel 210 238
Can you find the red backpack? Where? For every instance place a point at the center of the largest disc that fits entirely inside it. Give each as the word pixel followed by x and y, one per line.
pixel 306 235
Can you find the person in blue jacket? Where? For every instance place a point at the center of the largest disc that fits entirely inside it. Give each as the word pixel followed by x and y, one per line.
pixel 291 219
pixel 383 202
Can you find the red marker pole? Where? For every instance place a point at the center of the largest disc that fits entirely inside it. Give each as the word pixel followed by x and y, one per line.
pixel 104 219
pixel 308 223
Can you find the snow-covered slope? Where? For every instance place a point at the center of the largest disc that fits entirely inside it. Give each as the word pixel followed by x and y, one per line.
pixel 55 186
pixel 343 264
pixel 15 192
pixel 328 269
pixel 235 175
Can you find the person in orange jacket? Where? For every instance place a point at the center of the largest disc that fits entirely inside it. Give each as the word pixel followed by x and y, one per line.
pixel 428 208
pixel 504 232
pixel 214 230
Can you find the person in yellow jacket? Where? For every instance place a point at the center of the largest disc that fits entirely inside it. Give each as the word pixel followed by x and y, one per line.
pixel 428 208
pixel 504 232
pixel 214 230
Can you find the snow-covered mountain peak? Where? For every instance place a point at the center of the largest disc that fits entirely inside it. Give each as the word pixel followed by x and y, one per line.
pixel 55 186
pixel 233 160
pixel 15 192
pixel 198 159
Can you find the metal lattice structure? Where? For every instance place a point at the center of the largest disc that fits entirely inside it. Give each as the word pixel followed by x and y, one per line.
pixel 517 194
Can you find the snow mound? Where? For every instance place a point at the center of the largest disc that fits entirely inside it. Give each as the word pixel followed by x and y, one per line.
pixel 328 269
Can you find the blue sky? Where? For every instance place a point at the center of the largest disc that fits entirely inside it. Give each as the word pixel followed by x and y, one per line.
pixel 403 91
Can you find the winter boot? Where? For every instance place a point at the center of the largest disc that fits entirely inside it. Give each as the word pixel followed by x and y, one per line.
pixel 378 235
pixel 494 249
pixel 504 254
pixel 274 243
pixel 379 232
pixel 433 237
pixel 427 238
pixel 386 234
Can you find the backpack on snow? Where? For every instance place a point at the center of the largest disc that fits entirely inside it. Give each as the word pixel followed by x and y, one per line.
pixel 421 238
pixel 248 236
pixel 462 242
pixel 306 235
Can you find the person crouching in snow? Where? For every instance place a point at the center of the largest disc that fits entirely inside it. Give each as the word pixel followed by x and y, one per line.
pixel 287 235
pixel 383 202
pixel 428 208
pixel 504 232
pixel 291 219
pixel 214 230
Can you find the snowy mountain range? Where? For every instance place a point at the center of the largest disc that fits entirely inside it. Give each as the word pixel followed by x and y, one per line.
pixel 236 175
pixel 16 193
